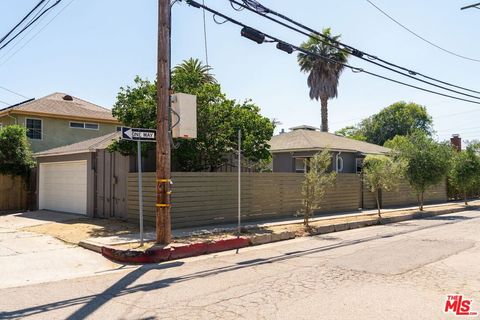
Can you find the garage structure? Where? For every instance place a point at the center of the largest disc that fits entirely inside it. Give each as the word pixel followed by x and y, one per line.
pixel 83 178
pixel 63 186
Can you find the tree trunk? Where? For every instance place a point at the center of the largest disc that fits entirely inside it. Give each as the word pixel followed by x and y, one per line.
pixel 465 197
pixel 377 198
pixel 421 201
pixel 324 103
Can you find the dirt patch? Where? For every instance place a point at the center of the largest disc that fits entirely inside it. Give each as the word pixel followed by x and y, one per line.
pixel 74 231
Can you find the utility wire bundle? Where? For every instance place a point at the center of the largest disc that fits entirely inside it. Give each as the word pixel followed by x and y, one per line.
pixel 261 37
pixel 33 15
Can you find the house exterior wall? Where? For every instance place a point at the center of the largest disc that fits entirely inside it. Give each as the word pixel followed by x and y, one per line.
pixel 57 132
pixel 285 161
pixel 90 175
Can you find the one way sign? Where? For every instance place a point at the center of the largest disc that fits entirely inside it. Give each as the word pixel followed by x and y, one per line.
pixel 139 134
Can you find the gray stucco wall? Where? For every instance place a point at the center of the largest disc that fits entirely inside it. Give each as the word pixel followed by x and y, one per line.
pixel 285 161
pixel 90 175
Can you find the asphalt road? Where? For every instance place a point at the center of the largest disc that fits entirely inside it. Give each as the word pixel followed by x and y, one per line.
pixel 397 271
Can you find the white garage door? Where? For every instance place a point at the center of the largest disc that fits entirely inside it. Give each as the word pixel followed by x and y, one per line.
pixel 63 186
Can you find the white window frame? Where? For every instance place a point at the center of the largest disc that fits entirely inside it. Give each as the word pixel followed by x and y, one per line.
pixel 339 159
pixel 84 124
pixel 304 160
pixel 41 128
pixel 1 126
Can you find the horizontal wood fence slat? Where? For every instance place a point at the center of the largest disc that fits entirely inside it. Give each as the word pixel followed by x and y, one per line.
pixel 202 198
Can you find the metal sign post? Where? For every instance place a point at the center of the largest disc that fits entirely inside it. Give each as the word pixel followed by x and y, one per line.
pixel 140 135
pixel 239 181
pixel 140 191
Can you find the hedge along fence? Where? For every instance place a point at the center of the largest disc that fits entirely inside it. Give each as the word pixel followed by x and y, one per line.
pixel 203 198
pixel 13 193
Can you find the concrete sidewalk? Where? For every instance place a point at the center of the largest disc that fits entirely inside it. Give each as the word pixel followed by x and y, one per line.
pixel 324 220
pixel 27 258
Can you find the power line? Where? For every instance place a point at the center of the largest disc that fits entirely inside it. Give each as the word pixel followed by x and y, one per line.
pixel 11 91
pixel 283 44
pixel 29 24
pixel 26 33
pixel 205 34
pixel 256 7
pixel 5 103
pixel 21 21
pixel 9 50
pixel 475 5
pixel 419 36
pixel 350 51
pixel 37 33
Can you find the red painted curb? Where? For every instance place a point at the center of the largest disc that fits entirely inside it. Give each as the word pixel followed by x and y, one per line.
pixel 190 250
pixel 131 256
pixel 164 254
pixel 227 244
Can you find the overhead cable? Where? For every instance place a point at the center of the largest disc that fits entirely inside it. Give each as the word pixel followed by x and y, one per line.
pixel 256 7
pixel 310 53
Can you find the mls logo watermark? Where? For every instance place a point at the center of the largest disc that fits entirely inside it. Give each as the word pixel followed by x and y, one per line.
pixel 459 306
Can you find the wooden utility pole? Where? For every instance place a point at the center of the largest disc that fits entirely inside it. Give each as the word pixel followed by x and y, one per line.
pixel 163 222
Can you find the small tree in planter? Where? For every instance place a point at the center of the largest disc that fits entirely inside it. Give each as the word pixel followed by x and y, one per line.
pixel 317 179
pixel 426 161
pixel 464 172
pixel 381 173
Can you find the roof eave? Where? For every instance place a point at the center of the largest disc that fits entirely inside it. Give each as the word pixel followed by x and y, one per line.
pixel 40 155
pixel 57 116
pixel 319 149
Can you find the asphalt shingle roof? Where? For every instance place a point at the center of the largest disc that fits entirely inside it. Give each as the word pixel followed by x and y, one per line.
pixel 316 140
pixel 55 105
pixel 90 145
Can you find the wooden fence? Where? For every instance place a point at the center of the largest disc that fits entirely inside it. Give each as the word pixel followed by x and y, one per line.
pixel 13 194
pixel 202 198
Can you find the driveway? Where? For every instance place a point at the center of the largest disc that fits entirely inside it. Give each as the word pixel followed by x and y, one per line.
pixel 31 258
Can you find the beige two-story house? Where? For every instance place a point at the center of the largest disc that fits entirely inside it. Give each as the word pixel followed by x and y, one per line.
pixel 59 119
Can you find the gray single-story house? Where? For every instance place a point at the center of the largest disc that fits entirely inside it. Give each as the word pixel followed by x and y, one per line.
pixel 291 149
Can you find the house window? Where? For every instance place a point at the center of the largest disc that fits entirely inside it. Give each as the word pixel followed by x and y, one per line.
pixel 300 165
pixel 339 163
pixel 34 129
pixel 84 125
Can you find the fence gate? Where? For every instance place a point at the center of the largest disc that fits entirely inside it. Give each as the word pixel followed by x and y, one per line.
pixel 110 188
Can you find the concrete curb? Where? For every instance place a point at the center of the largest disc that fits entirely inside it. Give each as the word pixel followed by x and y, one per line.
pixel 156 255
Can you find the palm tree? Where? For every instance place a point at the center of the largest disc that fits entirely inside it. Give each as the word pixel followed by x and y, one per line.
pixel 323 74
pixel 195 71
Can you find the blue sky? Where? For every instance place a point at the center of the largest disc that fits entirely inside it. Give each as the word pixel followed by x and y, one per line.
pixel 94 47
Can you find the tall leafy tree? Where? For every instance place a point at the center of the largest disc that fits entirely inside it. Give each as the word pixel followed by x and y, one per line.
pixel 400 118
pixel 323 75
pixel 218 119
pixel 465 171
pixel 351 132
pixel 426 162
pixel 15 153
